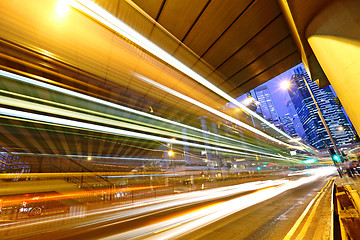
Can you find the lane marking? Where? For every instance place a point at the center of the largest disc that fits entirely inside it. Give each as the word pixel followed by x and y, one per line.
pixel 301 218
pixel 309 219
pixel 312 213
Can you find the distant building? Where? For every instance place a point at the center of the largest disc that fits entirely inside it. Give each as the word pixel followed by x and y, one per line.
pixel 288 123
pixel 334 116
pixel 266 106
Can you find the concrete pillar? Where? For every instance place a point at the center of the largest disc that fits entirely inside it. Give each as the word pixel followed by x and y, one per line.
pixel 334 36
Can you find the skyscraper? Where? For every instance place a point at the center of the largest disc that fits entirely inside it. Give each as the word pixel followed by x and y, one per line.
pixel 288 124
pixel 304 105
pixel 267 108
pixel 266 105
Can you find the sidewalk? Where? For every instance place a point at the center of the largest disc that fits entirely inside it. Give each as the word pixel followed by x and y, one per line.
pixel 315 222
pixel 346 207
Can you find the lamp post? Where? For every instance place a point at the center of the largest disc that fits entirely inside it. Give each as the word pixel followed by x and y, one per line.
pixel 171 154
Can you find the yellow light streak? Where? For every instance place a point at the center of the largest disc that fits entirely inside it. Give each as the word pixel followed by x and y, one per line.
pixel 62 7
pixel 104 17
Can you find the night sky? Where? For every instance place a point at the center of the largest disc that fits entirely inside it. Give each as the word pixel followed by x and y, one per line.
pixel 281 97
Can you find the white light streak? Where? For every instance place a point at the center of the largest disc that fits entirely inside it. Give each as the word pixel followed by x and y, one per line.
pixel 104 17
pixel 192 221
pixel 150 205
pixel 94 127
pixel 107 103
pixel 209 109
pixel 104 120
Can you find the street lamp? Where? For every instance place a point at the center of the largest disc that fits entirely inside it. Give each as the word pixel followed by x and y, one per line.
pixel 171 153
pixel 251 103
pixel 248 100
pixel 285 85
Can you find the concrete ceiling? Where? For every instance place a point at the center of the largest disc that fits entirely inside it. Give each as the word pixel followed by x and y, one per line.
pixel 245 43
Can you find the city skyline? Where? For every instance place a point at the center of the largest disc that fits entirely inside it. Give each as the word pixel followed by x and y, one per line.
pixel 285 110
pixel 282 100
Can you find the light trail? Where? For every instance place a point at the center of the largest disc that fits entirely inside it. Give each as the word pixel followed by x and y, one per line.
pixel 72 114
pixel 92 174
pixel 109 104
pixel 158 204
pixel 104 17
pixel 95 157
pixel 82 116
pixel 44 197
pixel 98 128
pixel 216 112
pixel 185 224
pixel 169 229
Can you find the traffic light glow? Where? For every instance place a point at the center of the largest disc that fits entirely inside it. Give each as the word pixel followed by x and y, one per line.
pixel 336 158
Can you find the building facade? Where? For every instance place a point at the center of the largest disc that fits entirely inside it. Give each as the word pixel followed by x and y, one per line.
pixel 288 123
pixel 266 106
pixel 335 119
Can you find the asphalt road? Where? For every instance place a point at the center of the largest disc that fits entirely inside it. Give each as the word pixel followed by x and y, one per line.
pixel 258 210
pixel 269 220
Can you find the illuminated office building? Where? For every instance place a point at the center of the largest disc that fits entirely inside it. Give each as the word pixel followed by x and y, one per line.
pixel 288 124
pixel 266 106
pixel 334 116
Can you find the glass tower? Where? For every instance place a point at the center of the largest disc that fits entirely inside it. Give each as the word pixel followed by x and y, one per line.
pixel 288 124
pixel 334 116
pixel 266 106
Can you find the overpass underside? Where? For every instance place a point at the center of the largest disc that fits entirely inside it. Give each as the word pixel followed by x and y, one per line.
pixel 73 88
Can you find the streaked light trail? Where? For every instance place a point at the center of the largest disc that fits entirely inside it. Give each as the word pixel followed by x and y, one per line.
pixel 216 112
pixel 94 127
pixel 192 221
pixel 101 15
pixel 107 103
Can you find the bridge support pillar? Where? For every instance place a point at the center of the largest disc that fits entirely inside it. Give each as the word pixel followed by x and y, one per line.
pixel 334 36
